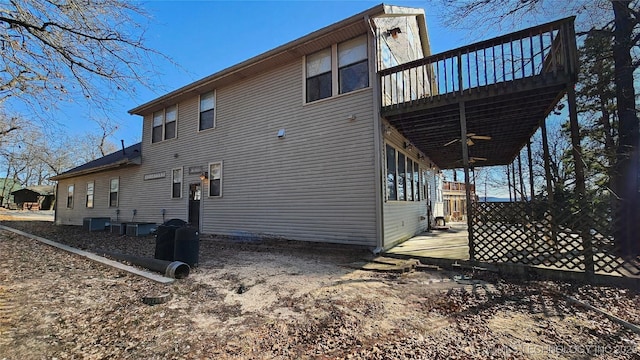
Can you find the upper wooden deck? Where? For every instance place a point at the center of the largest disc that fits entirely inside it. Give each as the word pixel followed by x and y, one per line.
pixel 508 86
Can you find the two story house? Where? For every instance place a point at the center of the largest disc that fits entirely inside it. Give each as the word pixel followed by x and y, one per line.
pixel 287 144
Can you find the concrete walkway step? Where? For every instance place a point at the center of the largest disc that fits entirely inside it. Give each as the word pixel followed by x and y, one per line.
pixel 386 264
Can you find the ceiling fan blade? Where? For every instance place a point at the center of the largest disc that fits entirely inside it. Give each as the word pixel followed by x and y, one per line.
pixel 469 142
pixel 471 134
pixel 451 142
pixel 481 137
pixel 479 159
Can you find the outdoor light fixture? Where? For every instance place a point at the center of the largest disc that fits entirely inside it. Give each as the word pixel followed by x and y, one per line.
pixel 394 32
pixel 204 175
pixel 408 146
pixel 387 130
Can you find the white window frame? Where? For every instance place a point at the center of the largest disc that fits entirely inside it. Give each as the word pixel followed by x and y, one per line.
pixel 215 109
pixel 71 191
pixel 210 178
pixel 173 181
pixel 92 194
pixel 163 136
pixel 117 192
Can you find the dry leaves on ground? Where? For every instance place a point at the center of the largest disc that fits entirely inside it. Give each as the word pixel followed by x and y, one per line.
pixel 287 300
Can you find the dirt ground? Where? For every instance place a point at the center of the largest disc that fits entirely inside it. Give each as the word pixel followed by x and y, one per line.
pixel 288 300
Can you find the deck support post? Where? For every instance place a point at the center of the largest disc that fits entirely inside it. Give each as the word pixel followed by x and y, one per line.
pixel 467 187
pixel 530 159
pixel 515 186
pixel 547 174
pixel 580 182
pixel 508 181
pixel 521 178
pixel 532 214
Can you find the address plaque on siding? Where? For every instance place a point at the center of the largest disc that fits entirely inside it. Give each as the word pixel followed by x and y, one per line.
pixel 156 175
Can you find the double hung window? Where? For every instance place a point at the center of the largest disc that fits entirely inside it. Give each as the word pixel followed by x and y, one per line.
pixel 114 189
pixel 319 84
pixel 353 65
pixel 176 183
pixel 215 179
pixel 164 124
pixel 70 190
pixel 207 111
pixel 89 202
pixel 339 69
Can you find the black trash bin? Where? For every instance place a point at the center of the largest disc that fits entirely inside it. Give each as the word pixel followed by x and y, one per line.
pixel 165 239
pixel 187 245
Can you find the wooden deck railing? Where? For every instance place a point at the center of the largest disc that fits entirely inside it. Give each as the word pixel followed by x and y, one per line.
pixel 544 49
pixel 456 186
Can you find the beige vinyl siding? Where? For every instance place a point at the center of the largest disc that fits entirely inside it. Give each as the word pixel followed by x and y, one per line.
pixel 100 207
pixel 403 219
pixel 315 184
pixel 318 183
pixel 148 198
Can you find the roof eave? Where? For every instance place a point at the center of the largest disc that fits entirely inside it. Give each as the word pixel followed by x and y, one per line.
pixel 115 165
pixel 144 108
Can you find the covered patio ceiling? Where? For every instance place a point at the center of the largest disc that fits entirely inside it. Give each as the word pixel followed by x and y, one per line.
pixel 507 113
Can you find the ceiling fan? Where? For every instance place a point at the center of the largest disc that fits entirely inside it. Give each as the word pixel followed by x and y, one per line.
pixel 473 159
pixel 470 138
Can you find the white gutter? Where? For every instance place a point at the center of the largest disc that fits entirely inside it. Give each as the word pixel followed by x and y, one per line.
pixel 132 161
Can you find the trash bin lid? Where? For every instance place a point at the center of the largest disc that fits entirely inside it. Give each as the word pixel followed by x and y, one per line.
pixel 175 222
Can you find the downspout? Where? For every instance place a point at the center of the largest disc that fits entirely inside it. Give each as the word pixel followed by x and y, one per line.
pixel 377 138
pixel 55 204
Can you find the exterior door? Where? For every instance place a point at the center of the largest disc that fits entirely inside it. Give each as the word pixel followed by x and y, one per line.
pixel 194 204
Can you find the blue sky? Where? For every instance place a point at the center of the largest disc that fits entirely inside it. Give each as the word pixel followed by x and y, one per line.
pixel 203 37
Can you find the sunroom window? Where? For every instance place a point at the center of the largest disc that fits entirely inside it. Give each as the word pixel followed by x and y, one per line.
pixel 403 177
pixel 392 193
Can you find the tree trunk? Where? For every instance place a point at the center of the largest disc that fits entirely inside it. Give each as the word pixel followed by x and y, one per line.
pixel 627 168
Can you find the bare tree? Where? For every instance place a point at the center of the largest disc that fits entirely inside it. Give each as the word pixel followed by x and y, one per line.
pixel 98 144
pixel 31 156
pixel 56 51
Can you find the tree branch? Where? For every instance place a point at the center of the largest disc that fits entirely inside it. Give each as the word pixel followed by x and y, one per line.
pixel 8 130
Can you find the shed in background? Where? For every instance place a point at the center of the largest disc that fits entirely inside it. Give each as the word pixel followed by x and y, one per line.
pixel 39 197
